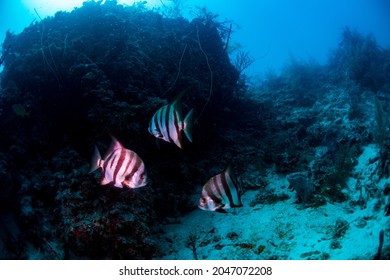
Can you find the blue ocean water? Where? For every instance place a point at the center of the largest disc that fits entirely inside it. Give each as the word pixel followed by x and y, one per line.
pixel 271 31
pixel 270 115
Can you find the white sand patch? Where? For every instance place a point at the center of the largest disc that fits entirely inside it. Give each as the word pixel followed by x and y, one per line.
pixel 286 229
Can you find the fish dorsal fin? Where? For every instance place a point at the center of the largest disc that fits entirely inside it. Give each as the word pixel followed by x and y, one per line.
pixel 178 97
pixel 95 161
pixel 113 146
pixel 176 103
pixel 228 169
pixel 177 106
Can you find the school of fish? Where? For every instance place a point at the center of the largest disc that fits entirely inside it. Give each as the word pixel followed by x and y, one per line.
pixel 121 167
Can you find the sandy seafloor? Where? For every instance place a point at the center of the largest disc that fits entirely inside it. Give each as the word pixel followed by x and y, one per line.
pixel 286 229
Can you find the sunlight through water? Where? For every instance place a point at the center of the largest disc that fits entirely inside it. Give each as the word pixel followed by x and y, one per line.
pixel 50 7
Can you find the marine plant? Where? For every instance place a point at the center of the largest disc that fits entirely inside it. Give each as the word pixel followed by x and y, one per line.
pixel 331 171
pixel 302 183
pixel 379 255
pixel 172 9
pixel 191 244
pixel 381 131
pixel 79 82
pixel 360 59
pixel 243 60
pixel 345 160
pixel 340 228
pixel 381 136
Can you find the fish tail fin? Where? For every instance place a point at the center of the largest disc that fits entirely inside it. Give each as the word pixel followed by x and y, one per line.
pixel 95 161
pixel 188 123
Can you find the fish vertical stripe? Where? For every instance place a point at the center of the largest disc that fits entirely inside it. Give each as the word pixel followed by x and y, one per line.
pixel 119 164
pixel 165 122
pixel 162 122
pixel 114 160
pixel 135 167
pixel 129 160
pixel 156 121
pixel 216 191
pixel 176 119
pixel 107 166
pixel 211 190
pixel 219 185
pixel 108 161
pixel 226 187
pixel 232 178
pixel 125 166
pixel 170 119
pixel 231 182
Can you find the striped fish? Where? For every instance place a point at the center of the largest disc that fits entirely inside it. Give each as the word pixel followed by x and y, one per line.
pixel 221 192
pixel 120 167
pixel 168 124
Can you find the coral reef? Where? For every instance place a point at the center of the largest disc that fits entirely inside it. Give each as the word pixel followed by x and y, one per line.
pixel 69 83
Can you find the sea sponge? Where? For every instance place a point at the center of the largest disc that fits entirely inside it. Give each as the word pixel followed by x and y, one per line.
pixel 302 183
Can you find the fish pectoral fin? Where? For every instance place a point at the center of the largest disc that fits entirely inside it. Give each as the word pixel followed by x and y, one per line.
pixel 104 181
